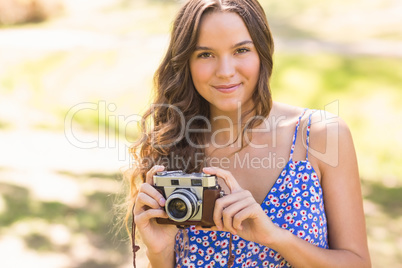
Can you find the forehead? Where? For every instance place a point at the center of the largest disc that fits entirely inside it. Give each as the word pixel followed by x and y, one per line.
pixel 222 27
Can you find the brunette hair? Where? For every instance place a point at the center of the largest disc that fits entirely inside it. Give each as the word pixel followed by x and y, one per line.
pixel 176 100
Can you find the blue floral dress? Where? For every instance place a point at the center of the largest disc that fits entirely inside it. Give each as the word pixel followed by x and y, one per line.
pixel 295 203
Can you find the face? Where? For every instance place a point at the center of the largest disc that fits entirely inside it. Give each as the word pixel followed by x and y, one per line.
pixel 225 65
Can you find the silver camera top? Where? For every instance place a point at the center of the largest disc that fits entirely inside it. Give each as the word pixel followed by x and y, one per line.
pixel 180 178
pixel 180 173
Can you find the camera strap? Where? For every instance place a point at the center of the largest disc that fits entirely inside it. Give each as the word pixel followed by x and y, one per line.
pixel 133 245
pixel 231 256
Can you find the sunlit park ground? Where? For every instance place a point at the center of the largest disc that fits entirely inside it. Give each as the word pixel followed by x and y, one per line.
pixel 70 89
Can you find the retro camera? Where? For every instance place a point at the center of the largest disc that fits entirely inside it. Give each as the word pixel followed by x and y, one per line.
pixel 190 198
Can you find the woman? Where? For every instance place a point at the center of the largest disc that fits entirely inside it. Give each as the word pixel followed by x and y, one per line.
pixel 292 194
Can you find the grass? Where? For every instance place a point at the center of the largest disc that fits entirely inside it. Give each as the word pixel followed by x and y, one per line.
pixel 368 94
pixel 54 227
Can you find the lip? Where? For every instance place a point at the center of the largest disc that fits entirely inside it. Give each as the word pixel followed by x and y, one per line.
pixel 227 88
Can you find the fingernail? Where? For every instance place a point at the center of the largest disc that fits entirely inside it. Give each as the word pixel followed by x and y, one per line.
pixel 207 169
pixel 162 201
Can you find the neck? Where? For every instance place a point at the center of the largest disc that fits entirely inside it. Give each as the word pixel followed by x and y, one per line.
pixel 227 126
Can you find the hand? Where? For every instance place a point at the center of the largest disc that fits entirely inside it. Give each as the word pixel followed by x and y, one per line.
pixel 148 206
pixel 239 213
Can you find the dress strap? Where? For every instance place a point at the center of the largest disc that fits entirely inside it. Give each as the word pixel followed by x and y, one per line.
pixel 308 133
pixel 292 149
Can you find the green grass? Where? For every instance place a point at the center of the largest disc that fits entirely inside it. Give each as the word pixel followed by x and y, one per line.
pixel 368 94
pixel 31 220
pixel 30 72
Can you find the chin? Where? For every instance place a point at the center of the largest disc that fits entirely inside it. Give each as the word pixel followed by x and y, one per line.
pixel 229 108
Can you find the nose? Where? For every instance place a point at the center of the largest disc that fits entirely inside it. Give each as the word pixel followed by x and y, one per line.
pixel 225 68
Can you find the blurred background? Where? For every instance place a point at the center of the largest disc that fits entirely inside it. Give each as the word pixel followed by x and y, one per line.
pixel 75 75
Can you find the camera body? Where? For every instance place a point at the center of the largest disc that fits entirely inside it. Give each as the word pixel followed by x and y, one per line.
pixel 190 198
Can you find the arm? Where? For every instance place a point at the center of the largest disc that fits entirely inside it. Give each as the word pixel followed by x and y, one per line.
pixel 162 259
pixel 343 206
pixel 158 238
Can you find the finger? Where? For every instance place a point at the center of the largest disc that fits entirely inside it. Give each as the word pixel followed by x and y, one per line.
pixel 152 192
pixel 144 201
pixel 228 178
pixel 249 212
pixel 230 212
pixel 152 172
pixel 146 216
pixel 220 205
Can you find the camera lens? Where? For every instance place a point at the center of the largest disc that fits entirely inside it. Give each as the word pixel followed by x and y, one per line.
pixel 182 205
pixel 178 208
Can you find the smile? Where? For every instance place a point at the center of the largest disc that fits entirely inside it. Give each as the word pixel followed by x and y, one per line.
pixel 227 88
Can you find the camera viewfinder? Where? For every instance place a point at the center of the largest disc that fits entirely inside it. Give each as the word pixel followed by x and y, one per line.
pixel 196 182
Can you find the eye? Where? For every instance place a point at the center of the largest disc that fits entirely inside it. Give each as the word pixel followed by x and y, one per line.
pixel 204 55
pixel 242 50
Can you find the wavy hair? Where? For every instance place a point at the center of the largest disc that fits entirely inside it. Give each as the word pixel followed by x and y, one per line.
pixel 177 102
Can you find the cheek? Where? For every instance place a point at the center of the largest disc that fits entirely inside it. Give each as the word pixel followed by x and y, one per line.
pixel 251 69
pixel 201 73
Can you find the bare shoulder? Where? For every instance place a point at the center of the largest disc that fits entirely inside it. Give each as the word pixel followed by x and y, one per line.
pixel 327 127
pixel 330 139
pixel 323 124
pixel 287 113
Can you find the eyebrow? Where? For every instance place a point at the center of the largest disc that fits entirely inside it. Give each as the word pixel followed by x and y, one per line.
pixel 246 42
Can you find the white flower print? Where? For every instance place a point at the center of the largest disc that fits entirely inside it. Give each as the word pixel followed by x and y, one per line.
pixel 294 203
